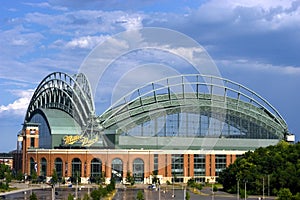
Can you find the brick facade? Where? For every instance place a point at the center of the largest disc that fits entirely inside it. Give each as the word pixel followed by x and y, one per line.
pixel 127 157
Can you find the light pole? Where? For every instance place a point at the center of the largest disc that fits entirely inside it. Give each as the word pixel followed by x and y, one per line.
pixel 158 192
pixel 268 185
pixel 238 189
pixel 173 195
pixel 89 182
pixel 212 188
pixel 76 195
pixel 53 191
pixel 263 188
pixel 245 189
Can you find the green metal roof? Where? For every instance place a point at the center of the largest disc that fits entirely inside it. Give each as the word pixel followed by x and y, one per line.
pixel 61 123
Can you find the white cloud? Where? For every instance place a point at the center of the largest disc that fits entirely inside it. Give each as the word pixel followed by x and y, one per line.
pixel 19 106
pixel 86 22
pixel 46 5
pixel 131 22
pixel 258 66
pixel 87 42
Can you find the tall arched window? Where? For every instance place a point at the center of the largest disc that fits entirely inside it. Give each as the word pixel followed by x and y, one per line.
pixel 96 167
pixel 59 167
pixel 117 169
pixel 43 169
pixel 138 170
pixel 33 166
pixel 76 167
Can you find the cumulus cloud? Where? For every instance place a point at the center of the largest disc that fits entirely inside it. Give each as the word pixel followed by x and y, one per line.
pixel 19 106
pixel 86 22
pixel 87 42
pixel 131 22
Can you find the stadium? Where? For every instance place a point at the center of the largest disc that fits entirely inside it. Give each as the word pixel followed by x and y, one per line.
pixel 175 128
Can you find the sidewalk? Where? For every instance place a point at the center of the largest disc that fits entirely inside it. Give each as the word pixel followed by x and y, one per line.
pixel 23 187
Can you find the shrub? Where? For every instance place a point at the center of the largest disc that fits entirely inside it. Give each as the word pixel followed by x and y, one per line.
pixel 96 194
pixel 33 196
pixel 70 197
pixel 140 195
pixel 187 196
pixel 284 194
pixel 86 197
pixel 215 188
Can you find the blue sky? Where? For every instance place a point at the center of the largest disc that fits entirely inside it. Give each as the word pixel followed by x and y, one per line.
pixel 255 43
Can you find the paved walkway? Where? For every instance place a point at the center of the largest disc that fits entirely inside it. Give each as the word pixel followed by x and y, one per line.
pixel 24 187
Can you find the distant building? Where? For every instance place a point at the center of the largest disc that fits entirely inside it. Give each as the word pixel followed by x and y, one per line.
pixel 176 128
pixel 7 159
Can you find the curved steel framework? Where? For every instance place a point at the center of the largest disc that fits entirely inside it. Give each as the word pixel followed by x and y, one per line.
pixel 71 94
pixel 210 98
pixel 186 105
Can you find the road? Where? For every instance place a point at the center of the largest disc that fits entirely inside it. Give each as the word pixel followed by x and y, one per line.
pixel 123 193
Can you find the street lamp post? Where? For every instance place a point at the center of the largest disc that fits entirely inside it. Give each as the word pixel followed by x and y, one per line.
pixel 212 188
pixel 238 189
pixel 158 192
pixel 245 189
pixel 53 191
pixel 76 192
pixel 173 195
pixel 89 182
pixel 263 188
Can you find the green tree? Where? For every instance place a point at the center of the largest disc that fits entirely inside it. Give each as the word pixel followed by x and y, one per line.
pixel 3 169
pixel 297 196
pixel 54 178
pixel 5 173
pixel 19 176
pixel 34 176
pixel 187 196
pixel 96 194
pixel 279 165
pixel 86 197
pixel 129 178
pixel 33 196
pixel 140 195
pixel 284 194
pixel 70 197
pixel 191 183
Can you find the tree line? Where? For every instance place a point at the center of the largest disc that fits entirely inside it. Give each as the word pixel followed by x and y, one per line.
pixel 268 170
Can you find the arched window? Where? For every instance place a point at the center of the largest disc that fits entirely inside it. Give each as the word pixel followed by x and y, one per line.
pixel 58 167
pixel 138 170
pixel 33 166
pixel 96 167
pixel 43 169
pixel 117 169
pixel 76 167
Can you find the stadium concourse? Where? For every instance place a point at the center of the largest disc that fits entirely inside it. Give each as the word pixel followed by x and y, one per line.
pixel 179 127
